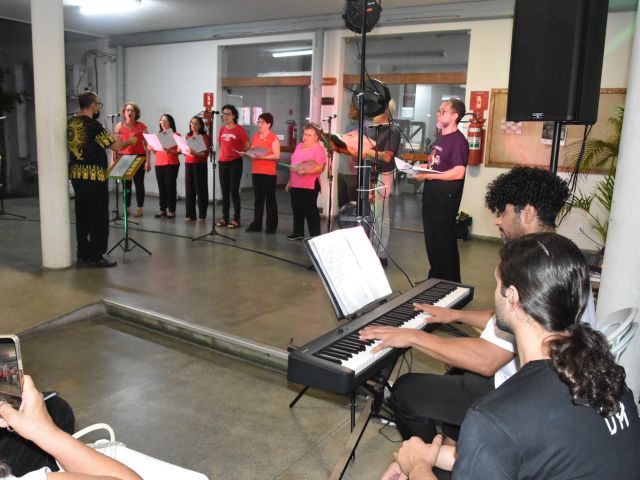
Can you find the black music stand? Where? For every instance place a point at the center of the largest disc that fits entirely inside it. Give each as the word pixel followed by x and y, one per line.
pixel 211 236
pixel 124 169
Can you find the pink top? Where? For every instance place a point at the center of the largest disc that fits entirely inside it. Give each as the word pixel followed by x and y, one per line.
pixel 316 153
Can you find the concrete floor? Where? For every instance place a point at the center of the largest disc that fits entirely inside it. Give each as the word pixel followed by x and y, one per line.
pixel 187 404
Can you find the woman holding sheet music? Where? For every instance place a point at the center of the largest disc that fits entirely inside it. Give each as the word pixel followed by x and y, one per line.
pixel 167 165
pixel 233 139
pixel 307 162
pixel 263 175
pixel 195 174
pixel 131 126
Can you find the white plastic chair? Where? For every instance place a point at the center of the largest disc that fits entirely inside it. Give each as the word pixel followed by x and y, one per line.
pixel 618 327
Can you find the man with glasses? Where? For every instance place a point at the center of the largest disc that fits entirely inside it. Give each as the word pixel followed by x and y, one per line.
pixel 87 141
pixel 443 191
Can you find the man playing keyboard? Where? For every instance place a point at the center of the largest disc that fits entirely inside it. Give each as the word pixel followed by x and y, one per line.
pixel 525 200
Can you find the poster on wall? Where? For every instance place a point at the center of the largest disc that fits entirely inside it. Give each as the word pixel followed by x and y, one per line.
pixel 256 112
pixel 244 116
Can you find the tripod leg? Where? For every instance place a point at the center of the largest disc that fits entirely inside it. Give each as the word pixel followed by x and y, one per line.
pixel 352 443
pixel 298 397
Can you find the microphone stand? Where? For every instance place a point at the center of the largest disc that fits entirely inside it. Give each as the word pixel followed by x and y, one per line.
pixel 3 181
pixel 330 153
pixel 116 213
pixel 210 237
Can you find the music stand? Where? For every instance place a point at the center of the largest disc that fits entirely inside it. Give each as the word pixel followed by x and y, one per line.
pixel 124 169
pixel 330 153
pixel 210 237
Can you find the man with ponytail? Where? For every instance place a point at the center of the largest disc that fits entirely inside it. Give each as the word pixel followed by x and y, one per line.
pixel 567 412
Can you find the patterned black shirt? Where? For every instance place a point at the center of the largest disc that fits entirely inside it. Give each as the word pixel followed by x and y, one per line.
pixel 87 140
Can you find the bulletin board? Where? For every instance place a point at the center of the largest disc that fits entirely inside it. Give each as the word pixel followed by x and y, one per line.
pixel 511 144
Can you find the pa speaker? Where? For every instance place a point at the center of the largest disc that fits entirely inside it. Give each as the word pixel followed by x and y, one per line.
pixel 352 14
pixel 556 60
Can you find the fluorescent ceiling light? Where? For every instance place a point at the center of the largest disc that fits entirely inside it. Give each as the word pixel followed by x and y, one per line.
pixel 292 53
pixel 104 7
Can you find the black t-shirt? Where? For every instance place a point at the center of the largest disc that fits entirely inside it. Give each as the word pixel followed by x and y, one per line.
pixel 87 140
pixel 528 428
pixel 449 151
pixel 387 139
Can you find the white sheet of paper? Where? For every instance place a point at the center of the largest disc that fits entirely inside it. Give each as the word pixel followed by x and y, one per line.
pixel 351 267
pixel 153 141
pixel 196 144
pixel 411 170
pixel 183 146
pixel 166 138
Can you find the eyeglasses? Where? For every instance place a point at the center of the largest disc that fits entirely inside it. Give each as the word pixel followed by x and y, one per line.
pixel 226 114
pixel 442 112
pixel 100 104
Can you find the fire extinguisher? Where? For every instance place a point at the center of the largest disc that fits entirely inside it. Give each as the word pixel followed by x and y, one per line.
pixel 475 137
pixel 292 133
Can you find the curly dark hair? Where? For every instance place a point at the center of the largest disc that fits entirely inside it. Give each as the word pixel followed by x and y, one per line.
pixel 552 279
pixel 522 186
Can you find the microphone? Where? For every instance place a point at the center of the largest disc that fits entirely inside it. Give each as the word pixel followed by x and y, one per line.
pixel 335 115
pixel 4 117
pixel 113 116
pixel 215 112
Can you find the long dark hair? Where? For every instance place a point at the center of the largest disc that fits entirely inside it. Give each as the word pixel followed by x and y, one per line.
pixel 552 279
pixel 201 129
pixel 172 122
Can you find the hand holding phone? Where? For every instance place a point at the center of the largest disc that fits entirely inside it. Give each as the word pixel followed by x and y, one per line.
pixel 11 375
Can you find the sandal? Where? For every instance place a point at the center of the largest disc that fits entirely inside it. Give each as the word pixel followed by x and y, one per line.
pixel 221 223
pixel 233 224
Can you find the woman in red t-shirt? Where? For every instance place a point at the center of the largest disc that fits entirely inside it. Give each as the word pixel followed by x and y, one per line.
pixel 263 175
pixel 232 139
pixel 195 174
pixel 167 165
pixel 131 126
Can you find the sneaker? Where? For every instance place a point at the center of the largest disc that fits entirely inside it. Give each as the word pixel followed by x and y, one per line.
pixel 295 236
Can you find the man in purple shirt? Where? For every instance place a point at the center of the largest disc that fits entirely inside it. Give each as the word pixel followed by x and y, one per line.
pixel 443 191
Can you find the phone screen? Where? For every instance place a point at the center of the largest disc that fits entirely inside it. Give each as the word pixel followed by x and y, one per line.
pixel 10 370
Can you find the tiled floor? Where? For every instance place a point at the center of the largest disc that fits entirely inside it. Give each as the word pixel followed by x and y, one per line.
pixel 224 417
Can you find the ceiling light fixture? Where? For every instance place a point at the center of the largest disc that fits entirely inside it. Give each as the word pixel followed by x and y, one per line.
pixel 102 7
pixel 292 53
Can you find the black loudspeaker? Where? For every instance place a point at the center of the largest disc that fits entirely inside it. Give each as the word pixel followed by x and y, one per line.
pixel 352 14
pixel 556 60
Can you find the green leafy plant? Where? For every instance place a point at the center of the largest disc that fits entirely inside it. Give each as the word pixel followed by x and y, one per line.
pixel 601 156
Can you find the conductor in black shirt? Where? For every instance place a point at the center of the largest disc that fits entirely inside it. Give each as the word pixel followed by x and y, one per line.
pixel 567 413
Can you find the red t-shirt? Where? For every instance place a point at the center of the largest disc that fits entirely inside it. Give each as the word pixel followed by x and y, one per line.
pixel 232 141
pixel 193 158
pixel 125 133
pixel 163 158
pixel 266 167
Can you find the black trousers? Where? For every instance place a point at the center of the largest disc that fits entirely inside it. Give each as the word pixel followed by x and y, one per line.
pixel 440 239
pixel 196 185
pixel 167 176
pixel 92 218
pixel 230 175
pixel 420 401
pixel 264 189
pixel 304 203
pixel 24 456
pixel 138 180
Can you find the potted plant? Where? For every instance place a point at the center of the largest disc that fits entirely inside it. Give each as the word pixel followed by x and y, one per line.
pixel 601 155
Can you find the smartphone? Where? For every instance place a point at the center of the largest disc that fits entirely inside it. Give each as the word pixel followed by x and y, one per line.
pixel 10 370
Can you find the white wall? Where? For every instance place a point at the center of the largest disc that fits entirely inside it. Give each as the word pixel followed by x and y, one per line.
pixel 172 78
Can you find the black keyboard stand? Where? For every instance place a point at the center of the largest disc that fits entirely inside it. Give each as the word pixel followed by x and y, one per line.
pixel 375 388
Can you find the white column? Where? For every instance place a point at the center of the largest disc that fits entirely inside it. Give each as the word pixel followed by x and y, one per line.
pixel 620 286
pixel 47 34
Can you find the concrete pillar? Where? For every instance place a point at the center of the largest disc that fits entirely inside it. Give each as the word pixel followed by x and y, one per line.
pixel 47 33
pixel 620 285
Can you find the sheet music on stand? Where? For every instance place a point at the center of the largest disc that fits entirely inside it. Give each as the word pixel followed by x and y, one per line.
pixel 349 269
